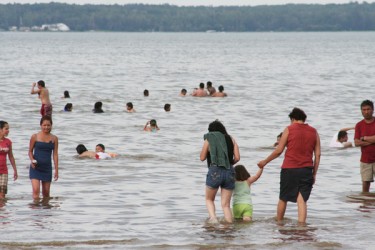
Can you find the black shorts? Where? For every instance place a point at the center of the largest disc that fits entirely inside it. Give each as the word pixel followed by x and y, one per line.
pixel 294 181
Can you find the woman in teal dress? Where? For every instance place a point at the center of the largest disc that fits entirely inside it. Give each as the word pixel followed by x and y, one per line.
pixel 43 147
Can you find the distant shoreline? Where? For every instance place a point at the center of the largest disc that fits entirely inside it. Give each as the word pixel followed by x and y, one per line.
pixel 169 18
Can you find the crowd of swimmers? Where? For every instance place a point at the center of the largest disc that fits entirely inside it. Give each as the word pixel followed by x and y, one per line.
pixel 220 150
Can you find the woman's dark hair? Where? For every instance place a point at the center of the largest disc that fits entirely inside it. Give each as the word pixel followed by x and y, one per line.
pixel 298 115
pixel 46 118
pixel 98 105
pixel 241 173
pixel 217 126
pixel 81 148
pixel 221 88
pixel 66 94
pixel 145 92
pixel 2 124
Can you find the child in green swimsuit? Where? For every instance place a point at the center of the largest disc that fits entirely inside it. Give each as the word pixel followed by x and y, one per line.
pixel 242 204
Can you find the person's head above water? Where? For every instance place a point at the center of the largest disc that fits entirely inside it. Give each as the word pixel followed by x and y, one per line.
pixel 153 123
pixel 167 107
pixel 68 107
pixel 81 149
pixel 66 94
pixel 100 148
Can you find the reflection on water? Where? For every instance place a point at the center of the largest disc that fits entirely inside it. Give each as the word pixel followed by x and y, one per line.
pixel 297 233
pixel 152 195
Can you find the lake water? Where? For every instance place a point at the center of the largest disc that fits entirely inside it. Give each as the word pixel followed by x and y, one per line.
pixel 152 195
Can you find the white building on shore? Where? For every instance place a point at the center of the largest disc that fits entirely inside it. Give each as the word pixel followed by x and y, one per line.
pixel 56 27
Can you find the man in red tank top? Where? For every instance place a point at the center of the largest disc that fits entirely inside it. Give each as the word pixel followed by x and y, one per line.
pixel 364 137
pixel 300 165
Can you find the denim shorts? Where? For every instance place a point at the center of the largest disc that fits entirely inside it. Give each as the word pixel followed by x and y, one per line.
pixel 220 177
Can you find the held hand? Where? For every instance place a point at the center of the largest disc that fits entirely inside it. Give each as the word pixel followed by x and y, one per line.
pixel 33 165
pixel 56 177
pixel 261 164
pixel 34 83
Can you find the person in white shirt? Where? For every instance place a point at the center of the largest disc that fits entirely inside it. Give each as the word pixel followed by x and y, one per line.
pixel 340 139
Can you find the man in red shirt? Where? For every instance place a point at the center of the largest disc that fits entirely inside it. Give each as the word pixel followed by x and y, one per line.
pixel 364 137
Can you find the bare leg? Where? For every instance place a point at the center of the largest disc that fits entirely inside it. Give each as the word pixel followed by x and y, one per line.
pixel 366 186
pixel 302 209
pixel 281 207
pixel 36 188
pixel 226 195
pixel 210 202
pixel 45 188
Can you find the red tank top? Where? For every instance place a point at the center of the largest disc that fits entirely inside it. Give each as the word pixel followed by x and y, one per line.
pixel 300 146
pixel 5 146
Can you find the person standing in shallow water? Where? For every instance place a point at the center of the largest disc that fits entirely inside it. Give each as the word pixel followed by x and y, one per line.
pixel 43 145
pixel 364 137
pixel 300 165
pixel 221 152
pixel 5 150
pixel 43 93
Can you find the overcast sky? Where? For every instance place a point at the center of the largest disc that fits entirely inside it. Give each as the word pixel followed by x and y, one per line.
pixel 186 2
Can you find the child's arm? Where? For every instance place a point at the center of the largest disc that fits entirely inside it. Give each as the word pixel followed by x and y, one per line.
pixel 255 177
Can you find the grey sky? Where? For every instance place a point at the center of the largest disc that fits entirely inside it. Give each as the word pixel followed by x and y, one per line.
pixel 186 2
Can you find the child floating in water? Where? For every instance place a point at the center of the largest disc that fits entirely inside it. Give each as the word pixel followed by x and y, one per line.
pixel 242 204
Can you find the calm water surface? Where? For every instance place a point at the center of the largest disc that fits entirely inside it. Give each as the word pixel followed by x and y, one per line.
pixel 152 195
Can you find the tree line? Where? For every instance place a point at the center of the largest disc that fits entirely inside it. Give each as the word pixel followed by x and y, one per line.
pixel 168 18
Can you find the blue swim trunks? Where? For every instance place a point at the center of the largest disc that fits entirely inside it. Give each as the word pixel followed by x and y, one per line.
pixel 220 177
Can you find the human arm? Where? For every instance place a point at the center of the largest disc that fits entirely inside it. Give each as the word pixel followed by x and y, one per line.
pixel 236 152
pixel 204 151
pixel 346 129
pixel 33 90
pixel 255 177
pixel 317 153
pixel 359 138
pixel 278 150
pixel 361 142
pixel 56 158
pixel 146 126
pixel 12 162
pixel 31 150
pixel 113 155
pixel 370 139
